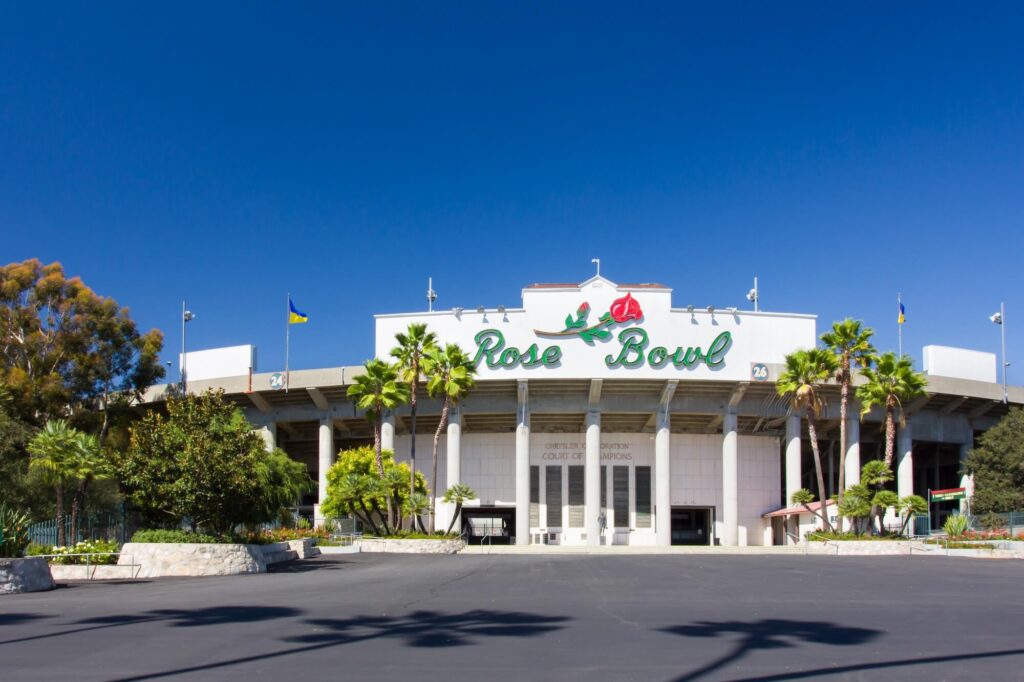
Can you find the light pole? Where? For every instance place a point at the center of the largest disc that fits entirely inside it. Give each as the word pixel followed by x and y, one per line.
pixel 754 296
pixel 1000 319
pixel 186 316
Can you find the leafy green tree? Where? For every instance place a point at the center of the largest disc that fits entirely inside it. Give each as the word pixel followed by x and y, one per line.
pixel 450 375
pixel 457 494
pixel 14 458
pixel 203 462
pixel 412 344
pixel 909 507
pixel 997 465
pixel 64 350
pixel 891 383
pixel 805 371
pixel 867 501
pixel 55 452
pixel 850 342
pixel 376 391
pixel 354 487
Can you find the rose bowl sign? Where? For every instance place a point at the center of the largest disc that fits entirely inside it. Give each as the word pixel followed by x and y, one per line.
pixel 600 329
pixel 633 342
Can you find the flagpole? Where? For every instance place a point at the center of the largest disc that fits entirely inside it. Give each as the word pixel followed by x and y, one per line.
pixel 899 325
pixel 287 339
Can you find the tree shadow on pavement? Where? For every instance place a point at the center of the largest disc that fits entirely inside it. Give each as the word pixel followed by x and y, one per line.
pixel 214 615
pixel 767 634
pixel 307 565
pixel 417 629
pixel 16 618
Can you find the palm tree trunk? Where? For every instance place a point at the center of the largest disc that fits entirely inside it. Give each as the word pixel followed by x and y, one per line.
pixel 62 536
pixel 812 432
pixel 378 426
pixel 412 428
pixel 890 435
pixel 437 437
pixel 844 397
pixel 455 516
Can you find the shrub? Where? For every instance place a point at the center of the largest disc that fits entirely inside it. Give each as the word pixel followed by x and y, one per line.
pixel 13 532
pixel 100 551
pixel 992 521
pixel 956 525
pixel 162 535
pixel 35 549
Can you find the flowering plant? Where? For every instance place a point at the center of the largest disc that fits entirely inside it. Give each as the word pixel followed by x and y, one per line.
pixel 620 311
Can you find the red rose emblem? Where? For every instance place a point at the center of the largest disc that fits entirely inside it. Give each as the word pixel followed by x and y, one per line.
pixel 582 310
pixel 625 308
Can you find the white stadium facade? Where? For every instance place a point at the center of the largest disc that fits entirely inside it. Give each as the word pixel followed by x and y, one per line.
pixel 604 415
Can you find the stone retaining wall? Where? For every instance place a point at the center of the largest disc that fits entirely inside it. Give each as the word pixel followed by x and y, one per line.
pixel 409 546
pixel 907 548
pixel 93 572
pixel 159 559
pixel 25 575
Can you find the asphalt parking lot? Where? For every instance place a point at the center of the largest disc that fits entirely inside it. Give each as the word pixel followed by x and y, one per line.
pixel 676 617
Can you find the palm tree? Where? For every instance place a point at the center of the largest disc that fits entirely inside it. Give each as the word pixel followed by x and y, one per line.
pixel 891 383
pixel 54 452
pixel 458 493
pixel 909 507
pixel 88 465
pixel 409 354
pixel 805 370
pixel 851 343
pixel 418 504
pixel 450 374
pixel 377 390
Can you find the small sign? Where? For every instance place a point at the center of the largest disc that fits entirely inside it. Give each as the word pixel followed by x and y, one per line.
pixel 277 381
pixel 759 371
pixel 948 494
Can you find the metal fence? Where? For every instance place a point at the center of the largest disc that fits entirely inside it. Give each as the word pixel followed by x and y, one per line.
pixel 1011 521
pixel 110 525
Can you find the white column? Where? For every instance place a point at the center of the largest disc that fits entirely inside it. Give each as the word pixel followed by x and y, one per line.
pixel 852 451
pixel 326 459
pixel 793 471
pixel 730 479
pixel 966 480
pixel 905 461
pixel 269 433
pixel 387 432
pixel 592 479
pixel 523 468
pixel 663 480
pixel 453 450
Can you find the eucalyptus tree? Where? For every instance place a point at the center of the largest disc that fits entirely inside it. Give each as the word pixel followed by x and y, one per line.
pixel 412 344
pixel 891 383
pixel 851 344
pixel 449 375
pixel 805 371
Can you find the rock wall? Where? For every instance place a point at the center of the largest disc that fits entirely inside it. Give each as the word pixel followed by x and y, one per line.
pixel 192 559
pixel 409 546
pixel 25 575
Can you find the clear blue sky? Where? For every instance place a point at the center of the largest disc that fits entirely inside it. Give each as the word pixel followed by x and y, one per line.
pixel 229 153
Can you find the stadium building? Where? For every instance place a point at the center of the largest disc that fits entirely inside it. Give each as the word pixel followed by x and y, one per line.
pixel 605 414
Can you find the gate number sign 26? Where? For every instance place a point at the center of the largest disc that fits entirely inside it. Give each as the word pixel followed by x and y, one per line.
pixel 759 371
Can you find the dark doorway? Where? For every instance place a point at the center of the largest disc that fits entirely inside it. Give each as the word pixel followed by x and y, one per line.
pixel 691 526
pixel 489 525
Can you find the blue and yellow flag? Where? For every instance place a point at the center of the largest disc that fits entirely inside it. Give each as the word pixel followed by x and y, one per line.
pixel 902 316
pixel 294 316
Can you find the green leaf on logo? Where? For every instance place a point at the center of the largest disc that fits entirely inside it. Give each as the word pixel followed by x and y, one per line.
pixel 568 322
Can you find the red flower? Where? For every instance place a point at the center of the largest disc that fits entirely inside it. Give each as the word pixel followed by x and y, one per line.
pixel 582 310
pixel 625 308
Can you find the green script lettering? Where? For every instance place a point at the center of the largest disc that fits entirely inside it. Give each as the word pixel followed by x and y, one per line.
pixel 717 349
pixel 632 354
pixel 490 348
